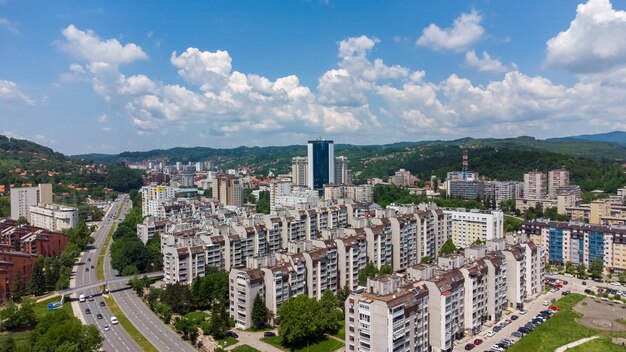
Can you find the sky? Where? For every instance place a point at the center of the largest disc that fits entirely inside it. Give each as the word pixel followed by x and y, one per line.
pixel 106 77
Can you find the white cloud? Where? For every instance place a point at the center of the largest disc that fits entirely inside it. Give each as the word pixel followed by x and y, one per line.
pixel 107 129
pixel 593 42
pixel 10 93
pixel 484 64
pixel 465 31
pixel 88 46
pixel 9 26
pixel 102 118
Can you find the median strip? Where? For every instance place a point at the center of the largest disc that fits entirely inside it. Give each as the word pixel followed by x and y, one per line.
pixel 143 343
pixel 100 265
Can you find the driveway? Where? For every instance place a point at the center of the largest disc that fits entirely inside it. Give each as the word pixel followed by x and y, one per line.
pixel 253 339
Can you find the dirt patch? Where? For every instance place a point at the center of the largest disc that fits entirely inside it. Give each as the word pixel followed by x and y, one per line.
pixel 601 315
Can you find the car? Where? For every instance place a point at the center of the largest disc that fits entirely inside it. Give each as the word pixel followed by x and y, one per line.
pixel 546 303
pixel 565 293
pixel 514 317
pixel 478 342
pixel 269 334
pixel 92 266
pixel 584 283
pixel 552 290
pixel 559 285
pixel 554 308
pixel 469 346
pixel 497 328
pixel 565 282
pixel 517 334
pixel 524 330
pixel 523 311
pixel 102 304
pixel 86 269
pixel 88 259
pixel 490 333
pixel 496 348
pixel 114 320
pixel 87 311
pixel 90 298
pixel 99 316
pixel 232 334
pixel 106 327
pixel 506 322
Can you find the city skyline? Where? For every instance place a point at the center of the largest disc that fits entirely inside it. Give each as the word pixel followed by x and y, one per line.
pixel 96 77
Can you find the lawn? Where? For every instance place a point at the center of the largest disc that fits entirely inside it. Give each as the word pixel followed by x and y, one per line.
pixel 227 341
pixel 41 308
pixel 602 344
pixel 326 345
pixel 559 330
pixel 20 338
pixel 341 333
pixel 245 348
pixel 143 343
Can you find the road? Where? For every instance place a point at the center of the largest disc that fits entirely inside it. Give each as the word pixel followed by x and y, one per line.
pixel 148 324
pixel 117 339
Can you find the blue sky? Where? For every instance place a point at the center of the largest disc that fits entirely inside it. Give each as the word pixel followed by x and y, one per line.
pixel 85 76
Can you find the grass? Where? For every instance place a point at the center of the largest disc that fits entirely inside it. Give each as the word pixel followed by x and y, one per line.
pixel 245 348
pixel 602 344
pixel 341 333
pixel 325 345
pixel 100 265
pixel 41 308
pixel 559 330
pixel 143 343
pixel 621 321
pixel 20 338
pixel 227 341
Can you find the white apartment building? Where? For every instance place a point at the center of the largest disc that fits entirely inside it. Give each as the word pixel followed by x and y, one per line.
pixel 351 259
pixel 299 170
pixel 22 198
pixel 153 196
pixel 557 179
pixel 445 309
pixel 53 217
pixel 183 264
pixel 387 317
pixel 244 286
pixel 503 190
pixel 535 185
pixel 279 188
pixel 469 226
pixel 515 260
pixel 322 271
pixel 476 286
pixel 535 271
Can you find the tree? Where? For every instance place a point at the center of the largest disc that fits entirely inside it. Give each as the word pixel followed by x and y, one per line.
pixel 263 204
pixel 219 324
pixel 622 277
pixel 22 221
pixel 187 328
pixel 38 280
pixel 300 321
pixel 596 268
pixel 177 297
pixel 20 288
pixel 569 267
pixel 60 331
pixel 368 271
pixel 342 296
pixel 329 310
pixel 385 269
pixel 260 313
pixel 426 259
pixel 447 248
pixel 581 270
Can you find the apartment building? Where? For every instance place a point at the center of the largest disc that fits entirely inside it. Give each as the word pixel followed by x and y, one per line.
pixel 153 196
pixel 557 180
pixel 535 259
pixel 150 227
pixel 470 226
pixel 183 264
pixel 322 271
pixel 465 189
pixel 22 198
pixel 244 286
pixel 379 244
pixel 515 260
pixel 53 217
pixel 299 170
pixel 387 316
pixel 402 178
pixel 503 190
pixel 446 311
pixel 228 189
pixel 475 277
pixel 360 193
pixel 351 259
pixel 496 281
pixel 535 185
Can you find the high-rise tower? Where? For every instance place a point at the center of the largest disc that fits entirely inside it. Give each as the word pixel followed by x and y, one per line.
pixel 321 163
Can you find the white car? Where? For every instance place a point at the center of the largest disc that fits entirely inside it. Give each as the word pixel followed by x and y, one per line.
pixel 546 303
pixel 495 348
pixel 490 333
pixel 114 320
pixel 523 311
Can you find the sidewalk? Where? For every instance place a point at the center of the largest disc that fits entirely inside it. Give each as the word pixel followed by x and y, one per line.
pixel 575 343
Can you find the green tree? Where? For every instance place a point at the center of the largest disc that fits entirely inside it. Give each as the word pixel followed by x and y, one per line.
pixel 622 277
pixel 581 270
pixel 38 278
pixel 300 321
pixel 330 312
pixel 260 313
pixel 447 248
pixel 20 287
pixel 177 297
pixel 8 344
pixel 187 328
pixel 426 259
pixel 26 316
pixel 219 324
pixel 596 268
pixel 22 221
pixel 342 296
pixel 569 267
pixel 385 269
pixel 367 272
pixel 60 331
pixel 263 204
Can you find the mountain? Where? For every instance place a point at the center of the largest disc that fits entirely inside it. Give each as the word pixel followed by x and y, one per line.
pixel 617 137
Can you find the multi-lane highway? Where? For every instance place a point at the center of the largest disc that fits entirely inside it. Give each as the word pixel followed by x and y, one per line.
pixel 150 326
pixel 116 338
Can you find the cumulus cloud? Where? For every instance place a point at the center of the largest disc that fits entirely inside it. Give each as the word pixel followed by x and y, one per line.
pixel 102 118
pixel 484 64
pixel 465 31
pixel 10 93
pixel 88 46
pixel 593 42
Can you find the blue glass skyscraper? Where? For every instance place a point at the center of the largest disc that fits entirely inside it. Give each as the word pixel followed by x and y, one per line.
pixel 321 163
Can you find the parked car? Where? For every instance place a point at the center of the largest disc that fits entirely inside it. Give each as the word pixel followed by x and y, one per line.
pixel 496 348
pixel 565 293
pixel 514 317
pixel 546 303
pixel 584 283
pixel 232 334
pixel 497 328
pixel 517 334
pixel 478 342
pixel 490 333
pixel 269 334
pixel 523 311
pixel 554 308
pixel 469 346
